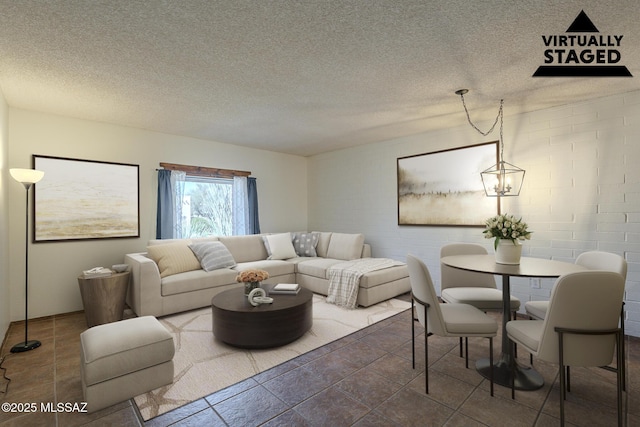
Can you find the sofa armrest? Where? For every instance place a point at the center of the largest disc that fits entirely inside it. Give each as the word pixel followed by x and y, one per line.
pixel 366 251
pixel 145 291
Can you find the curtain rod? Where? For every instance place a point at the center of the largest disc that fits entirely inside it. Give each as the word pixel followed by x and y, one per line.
pixel 204 171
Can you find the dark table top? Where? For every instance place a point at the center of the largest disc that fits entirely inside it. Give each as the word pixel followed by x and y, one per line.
pixel 235 300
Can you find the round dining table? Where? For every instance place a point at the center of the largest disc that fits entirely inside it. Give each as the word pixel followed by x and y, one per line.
pixel 506 367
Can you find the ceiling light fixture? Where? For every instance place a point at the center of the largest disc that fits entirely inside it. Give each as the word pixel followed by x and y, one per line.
pixel 502 179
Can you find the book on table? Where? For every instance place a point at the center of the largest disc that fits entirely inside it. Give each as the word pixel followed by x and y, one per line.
pixel 285 289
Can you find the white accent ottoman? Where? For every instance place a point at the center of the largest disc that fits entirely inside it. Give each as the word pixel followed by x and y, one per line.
pixel 124 359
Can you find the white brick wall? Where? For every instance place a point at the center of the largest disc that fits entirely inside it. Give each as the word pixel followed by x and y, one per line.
pixel 581 190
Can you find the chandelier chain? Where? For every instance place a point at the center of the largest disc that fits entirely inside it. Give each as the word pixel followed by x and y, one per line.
pixel 498 117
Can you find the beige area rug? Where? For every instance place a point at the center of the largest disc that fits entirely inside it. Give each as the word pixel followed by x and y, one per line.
pixel 204 365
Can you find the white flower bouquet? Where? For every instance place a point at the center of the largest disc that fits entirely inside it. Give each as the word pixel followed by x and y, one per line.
pixel 506 227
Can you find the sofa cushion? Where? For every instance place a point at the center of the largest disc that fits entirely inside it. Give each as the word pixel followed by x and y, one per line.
pixel 197 280
pixel 245 248
pixel 323 243
pixel 317 267
pixel 212 255
pixel 386 275
pixel 279 246
pixel 345 246
pixel 305 243
pixel 173 258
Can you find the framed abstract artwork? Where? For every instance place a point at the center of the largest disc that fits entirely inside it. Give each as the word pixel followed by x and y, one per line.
pixel 85 199
pixel 445 188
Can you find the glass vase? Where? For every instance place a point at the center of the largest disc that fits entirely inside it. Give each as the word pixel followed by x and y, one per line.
pixel 249 286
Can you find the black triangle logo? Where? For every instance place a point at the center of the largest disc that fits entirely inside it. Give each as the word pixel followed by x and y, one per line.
pixel 582 24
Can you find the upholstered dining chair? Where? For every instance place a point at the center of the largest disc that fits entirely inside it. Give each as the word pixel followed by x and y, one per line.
pixel 593 260
pixel 446 320
pixel 468 287
pixel 580 327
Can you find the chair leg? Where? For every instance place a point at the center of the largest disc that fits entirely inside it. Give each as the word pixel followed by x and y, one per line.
pixel 513 375
pixel 466 352
pixel 426 351
pixel 562 377
pixel 622 366
pixel 620 373
pixel 460 346
pixel 515 346
pixel 413 336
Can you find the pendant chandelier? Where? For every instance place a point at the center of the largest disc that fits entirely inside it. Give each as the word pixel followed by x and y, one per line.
pixel 502 179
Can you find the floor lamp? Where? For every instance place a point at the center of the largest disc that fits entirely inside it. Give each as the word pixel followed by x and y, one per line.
pixel 26 177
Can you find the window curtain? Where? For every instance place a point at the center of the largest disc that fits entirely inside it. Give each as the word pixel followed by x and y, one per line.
pixel 178 179
pixel 254 221
pixel 245 206
pixel 164 220
pixel 169 222
pixel 240 206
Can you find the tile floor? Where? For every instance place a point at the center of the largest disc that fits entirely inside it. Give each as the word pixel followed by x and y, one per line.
pixel 364 379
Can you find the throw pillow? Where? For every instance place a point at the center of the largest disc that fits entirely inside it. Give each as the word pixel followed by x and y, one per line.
pixel 305 243
pixel 345 246
pixel 212 255
pixel 279 246
pixel 173 258
pixel 323 243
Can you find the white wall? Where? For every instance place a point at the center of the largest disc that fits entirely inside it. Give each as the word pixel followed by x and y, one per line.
pixel 55 266
pixel 4 219
pixel 581 190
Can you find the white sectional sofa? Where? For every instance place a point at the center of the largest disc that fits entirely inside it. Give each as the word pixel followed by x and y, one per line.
pixel 170 277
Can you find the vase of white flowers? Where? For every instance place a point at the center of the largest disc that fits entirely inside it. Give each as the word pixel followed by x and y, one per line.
pixel 508 232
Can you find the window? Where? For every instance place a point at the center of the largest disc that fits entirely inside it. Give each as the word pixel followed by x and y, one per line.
pixel 207 207
pixel 195 201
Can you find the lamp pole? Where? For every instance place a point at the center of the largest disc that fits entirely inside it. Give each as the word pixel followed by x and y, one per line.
pixel 26 177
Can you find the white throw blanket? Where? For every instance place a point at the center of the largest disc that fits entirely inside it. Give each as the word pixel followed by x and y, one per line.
pixel 344 278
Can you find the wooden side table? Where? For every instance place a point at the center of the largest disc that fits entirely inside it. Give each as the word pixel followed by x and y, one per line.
pixel 104 298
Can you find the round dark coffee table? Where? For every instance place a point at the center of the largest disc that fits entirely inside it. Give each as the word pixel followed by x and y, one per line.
pixel 238 323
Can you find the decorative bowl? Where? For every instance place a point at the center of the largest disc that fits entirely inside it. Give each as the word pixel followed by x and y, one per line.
pixel 120 268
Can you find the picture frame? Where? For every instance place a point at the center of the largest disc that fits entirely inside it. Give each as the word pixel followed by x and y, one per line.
pixel 85 200
pixel 444 188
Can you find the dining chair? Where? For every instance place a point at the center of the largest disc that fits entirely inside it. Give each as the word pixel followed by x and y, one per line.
pixel 468 287
pixel 580 327
pixel 445 320
pixel 593 260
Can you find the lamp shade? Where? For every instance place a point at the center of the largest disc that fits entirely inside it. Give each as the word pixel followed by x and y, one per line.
pixel 26 176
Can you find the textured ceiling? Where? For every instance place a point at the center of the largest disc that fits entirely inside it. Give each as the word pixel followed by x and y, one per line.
pixel 300 77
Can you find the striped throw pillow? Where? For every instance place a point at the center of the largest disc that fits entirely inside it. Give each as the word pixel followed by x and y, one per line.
pixel 212 255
